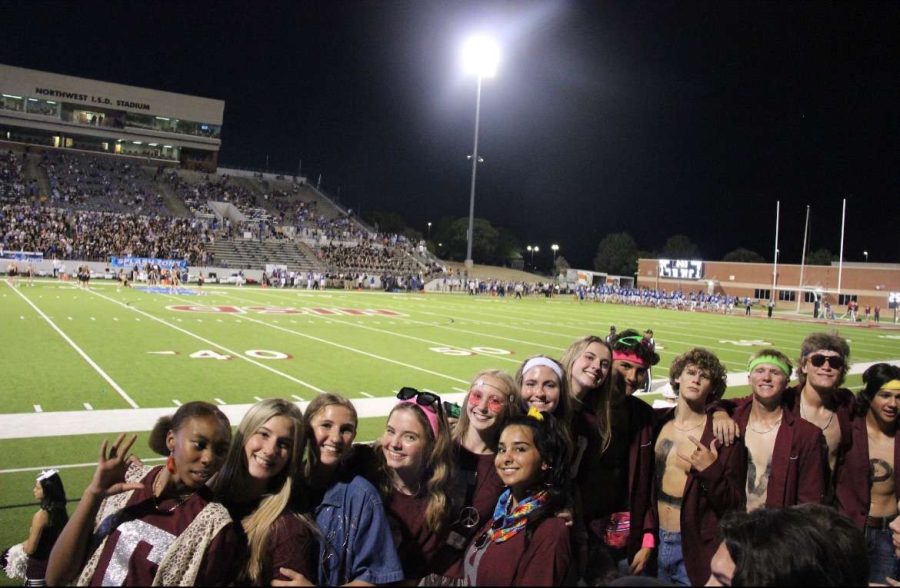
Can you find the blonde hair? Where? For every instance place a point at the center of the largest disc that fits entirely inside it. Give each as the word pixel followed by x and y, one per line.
pixel 438 475
pixel 598 399
pixel 318 404
pixel 234 474
pixel 511 408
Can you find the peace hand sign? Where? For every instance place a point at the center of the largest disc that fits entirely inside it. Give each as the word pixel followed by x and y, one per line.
pixel 109 477
pixel 702 457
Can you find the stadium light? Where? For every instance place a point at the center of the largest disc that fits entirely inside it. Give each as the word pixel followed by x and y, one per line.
pixel 429 230
pixel 555 248
pixel 480 56
pixel 866 253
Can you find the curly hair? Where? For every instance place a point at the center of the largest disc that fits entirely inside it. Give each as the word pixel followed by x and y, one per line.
pixel 707 362
pixel 823 342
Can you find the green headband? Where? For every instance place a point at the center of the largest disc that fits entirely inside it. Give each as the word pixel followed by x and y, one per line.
pixel 772 360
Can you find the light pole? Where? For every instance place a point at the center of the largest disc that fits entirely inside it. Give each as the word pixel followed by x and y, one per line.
pixel 532 249
pixel 480 57
pixel 555 248
pixel 866 253
pixel 429 230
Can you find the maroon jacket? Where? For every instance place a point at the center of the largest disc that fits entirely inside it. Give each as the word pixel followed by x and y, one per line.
pixel 854 480
pixel 799 461
pixel 640 473
pixel 708 496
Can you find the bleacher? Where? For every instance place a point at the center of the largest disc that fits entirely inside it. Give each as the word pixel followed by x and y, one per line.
pixel 251 254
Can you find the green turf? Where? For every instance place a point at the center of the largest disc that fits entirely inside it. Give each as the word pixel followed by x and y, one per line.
pixel 438 343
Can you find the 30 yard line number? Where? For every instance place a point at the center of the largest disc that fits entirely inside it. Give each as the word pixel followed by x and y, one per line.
pixel 459 352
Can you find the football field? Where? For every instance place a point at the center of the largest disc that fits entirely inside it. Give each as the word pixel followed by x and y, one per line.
pixel 78 364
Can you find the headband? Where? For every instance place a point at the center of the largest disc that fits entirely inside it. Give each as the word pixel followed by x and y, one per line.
pixel 770 359
pixel 630 356
pixel 892 385
pixel 544 361
pixel 429 412
pixel 47 474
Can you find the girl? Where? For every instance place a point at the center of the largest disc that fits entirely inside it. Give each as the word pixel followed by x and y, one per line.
pixel 262 469
pixel 154 525
pixel 356 546
pixel 415 466
pixel 525 544
pixel 869 482
pixel 489 403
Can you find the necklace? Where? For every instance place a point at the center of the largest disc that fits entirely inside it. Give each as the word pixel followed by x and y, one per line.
pixel 769 430
pixel 686 429
pixel 158 488
pixel 828 424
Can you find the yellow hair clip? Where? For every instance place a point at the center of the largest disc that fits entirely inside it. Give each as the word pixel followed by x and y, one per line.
pixel 535 414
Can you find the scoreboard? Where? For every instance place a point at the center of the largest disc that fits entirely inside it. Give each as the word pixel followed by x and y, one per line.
pixel 681 269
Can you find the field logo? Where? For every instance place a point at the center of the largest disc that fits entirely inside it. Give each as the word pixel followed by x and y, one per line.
pixel 747 342
pixel 285 310
pixel 458 352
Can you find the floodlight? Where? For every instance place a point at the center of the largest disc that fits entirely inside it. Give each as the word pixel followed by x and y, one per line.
pixel 481 56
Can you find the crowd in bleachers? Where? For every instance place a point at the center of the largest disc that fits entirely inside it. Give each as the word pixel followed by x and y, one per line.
pixel 367 256
pixel 101 183
pixel 13 184
pixel 92 235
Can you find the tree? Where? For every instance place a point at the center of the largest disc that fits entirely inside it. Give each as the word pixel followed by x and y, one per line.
pixel 387 222
pixel 819 257
pixel 680 247
pixel 617 254
pixel 454 236
pixel 742 255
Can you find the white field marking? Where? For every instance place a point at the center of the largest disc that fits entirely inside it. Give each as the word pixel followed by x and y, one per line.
pixel 37 408
pixel 208 342
pixel 428 341
pixel 458 389
pixel 367 395
pixel 21 318
pixel 115 318
pixel 354 350
pixel 80 352
pixel 219 401
pixel 67 466
pixel 297 397
pixel 162 353
pixel 176 402
pixel 257 398
pixel 87 406
pixel 93 319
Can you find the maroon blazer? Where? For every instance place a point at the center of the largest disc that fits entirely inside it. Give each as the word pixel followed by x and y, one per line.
pixel 640 473
pixel 708 496
pixel 854 480
pixel 799 461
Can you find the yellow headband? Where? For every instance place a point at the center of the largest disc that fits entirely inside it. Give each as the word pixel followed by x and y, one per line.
pixel 892 385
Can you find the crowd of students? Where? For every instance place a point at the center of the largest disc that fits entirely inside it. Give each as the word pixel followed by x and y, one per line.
pixel 553 476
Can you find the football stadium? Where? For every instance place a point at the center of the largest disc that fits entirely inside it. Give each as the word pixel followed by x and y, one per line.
pixel 144 276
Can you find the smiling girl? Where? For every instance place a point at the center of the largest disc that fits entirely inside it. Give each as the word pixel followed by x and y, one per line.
pixel 262 471
pixel 525 543
pixel 154 525
pixel 416 472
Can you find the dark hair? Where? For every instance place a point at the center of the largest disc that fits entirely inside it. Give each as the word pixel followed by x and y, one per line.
pixel 190 410
pixel 631 340
pixel 550 442
pixel 874 378
pixel 805 545
pixel 823 342
pixel 706 361
pixel 54 500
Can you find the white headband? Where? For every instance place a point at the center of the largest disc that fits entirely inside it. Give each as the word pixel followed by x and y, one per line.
pixel 546 362
pixel 47 474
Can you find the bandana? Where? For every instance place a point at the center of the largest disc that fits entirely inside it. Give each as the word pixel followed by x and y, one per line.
pixel 630 356
pixel 892 385
pixel 771 360
pixel 506 526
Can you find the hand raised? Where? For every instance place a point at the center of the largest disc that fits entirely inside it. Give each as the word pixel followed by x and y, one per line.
pixel 109 477
pixel 702 457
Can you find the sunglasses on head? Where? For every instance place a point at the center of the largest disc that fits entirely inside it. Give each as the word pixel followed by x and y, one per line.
pixel 835 361
pixel 426 399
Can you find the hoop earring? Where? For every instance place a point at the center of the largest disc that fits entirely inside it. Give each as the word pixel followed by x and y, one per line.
pixel 170 463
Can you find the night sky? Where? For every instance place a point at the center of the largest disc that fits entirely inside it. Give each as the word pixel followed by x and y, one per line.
pixel 654 118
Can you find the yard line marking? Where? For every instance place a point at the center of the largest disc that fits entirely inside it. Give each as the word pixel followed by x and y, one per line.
pixel 220 401
pixel 257 398
pixel 80 352
pixel 37 408
pixel 297 397
pixel 177 402
pixel 460 389
pixel 208 342
pixel 367 395
pixel 67 466
pixel 87 406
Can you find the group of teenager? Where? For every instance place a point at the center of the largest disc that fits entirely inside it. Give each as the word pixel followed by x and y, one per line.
pixel 554 476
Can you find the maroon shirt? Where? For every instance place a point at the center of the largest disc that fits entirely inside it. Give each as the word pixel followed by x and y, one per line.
pixel 799 460
pixel 143 535
pixel 291 545
pixel 476 477
pixel 544 560
pixel 708 496
pixel 416 544
pixel 854 479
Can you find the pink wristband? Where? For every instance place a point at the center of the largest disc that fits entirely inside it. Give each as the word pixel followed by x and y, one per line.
pixel 649 542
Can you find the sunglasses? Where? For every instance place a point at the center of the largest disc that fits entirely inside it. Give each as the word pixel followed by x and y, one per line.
pixel 835 361
pixel 426 399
